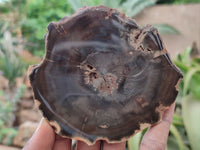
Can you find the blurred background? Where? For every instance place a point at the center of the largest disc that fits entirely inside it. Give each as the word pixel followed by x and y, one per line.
pixel 23 26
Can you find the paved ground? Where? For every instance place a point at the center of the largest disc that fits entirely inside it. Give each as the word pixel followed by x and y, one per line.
pixel 2 147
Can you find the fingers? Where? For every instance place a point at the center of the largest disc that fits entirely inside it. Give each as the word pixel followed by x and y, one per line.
pixel 62 143
pixel 83 146
pixel 43 138
pixel 116 146
pixel 106 146
pixel 156 136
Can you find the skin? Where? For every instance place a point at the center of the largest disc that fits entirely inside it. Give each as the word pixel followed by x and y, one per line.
pixel 155 138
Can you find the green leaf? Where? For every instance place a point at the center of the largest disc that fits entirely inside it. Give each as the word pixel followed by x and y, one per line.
pixel 111 3
pixel 140 5
pixel 184 68
pixel 18 94
pixel 190 68
pixel 166 29
pixel 177 120
pixel 1 123
pixel 7 135
pixel 75 4
pixel 11 133
pixel 88 2
pixel 188 78
pixel 173 145
pixel 1 93
pixel 134 142
pixel 80 3
pixel 133 7
pixel 185 57
pixel 178 137
pixel 195 88
pixel 191 118
pixel 127 6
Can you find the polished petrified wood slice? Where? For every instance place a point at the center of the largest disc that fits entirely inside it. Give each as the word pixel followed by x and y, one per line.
pixel 103 77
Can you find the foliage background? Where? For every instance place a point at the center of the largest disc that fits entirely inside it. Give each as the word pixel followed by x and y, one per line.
pixel 22 28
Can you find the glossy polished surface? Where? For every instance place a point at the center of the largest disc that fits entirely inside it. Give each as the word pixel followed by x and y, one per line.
pixel 103 77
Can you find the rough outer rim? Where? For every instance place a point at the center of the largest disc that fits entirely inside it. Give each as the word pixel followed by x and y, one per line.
pixel 56 126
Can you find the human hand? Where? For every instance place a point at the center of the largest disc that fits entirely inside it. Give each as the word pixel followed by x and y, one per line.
pixel 155 138
pixel 45 138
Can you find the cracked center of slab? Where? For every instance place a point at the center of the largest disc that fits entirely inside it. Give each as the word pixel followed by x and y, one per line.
pixel 105 83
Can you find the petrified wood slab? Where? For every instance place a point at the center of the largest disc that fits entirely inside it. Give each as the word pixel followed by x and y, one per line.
pixel 103 77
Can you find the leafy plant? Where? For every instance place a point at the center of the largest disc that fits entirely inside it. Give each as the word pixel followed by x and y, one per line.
pixel 11 67
pixel 129 7
pixel 8 134
pixel 32 17
pixel 190 95
pixel 8 106
pixel 10 63
pixel 191 113
pixel 166 29
pixel 134 142
pixel 190 67
pixel 34 24
pixel 133 7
